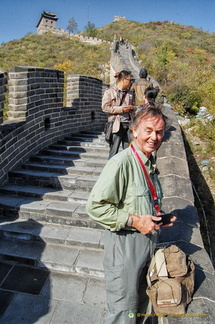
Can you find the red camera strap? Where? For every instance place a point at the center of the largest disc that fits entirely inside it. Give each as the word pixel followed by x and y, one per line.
pixel 149 182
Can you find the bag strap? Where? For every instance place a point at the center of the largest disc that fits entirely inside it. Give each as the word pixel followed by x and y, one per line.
pixel 161 264
pixel 149 182
pixel 157 260
pixel 150 270
pixel 123 98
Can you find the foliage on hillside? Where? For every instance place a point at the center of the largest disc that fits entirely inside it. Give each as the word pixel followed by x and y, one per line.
pixel 51 51
pixel 181 58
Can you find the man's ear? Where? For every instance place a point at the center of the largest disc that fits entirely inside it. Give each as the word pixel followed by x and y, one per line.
pixel 135 133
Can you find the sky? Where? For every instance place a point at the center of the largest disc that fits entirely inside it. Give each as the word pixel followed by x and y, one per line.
pixel 20 17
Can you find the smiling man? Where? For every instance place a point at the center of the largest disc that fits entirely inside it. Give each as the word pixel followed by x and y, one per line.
pixel 123 202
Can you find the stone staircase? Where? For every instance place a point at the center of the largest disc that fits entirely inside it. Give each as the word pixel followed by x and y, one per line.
pixel 128 66
pixel 43 220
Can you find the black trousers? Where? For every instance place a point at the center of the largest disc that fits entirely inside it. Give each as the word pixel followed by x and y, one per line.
pixel 122 136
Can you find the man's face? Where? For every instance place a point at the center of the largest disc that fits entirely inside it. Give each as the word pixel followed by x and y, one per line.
pixel 126 82
pixel 149 133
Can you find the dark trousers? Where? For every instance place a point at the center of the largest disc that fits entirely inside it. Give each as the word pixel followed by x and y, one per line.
pixel 122 136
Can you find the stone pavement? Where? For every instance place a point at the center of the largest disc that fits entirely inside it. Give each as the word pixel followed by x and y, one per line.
pixel 32 295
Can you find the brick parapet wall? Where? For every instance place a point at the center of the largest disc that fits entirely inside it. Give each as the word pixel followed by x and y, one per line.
pixel 37 117
pixel 3 81
pixel 30 88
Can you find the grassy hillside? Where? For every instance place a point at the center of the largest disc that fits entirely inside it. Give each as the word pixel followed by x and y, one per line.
pixel 181 58
pixel 50 51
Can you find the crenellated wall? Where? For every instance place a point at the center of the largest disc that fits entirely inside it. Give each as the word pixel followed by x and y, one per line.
pixel 33 92
pixel 37 116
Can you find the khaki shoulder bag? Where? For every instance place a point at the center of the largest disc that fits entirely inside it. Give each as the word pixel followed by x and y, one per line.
pixel 170 280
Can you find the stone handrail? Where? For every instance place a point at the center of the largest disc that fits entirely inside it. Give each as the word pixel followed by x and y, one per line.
pixel 179 199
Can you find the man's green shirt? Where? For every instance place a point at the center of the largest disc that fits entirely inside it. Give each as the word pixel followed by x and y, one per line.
pixel 122 190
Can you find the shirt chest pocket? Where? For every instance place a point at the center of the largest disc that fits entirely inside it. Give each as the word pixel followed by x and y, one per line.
pixel 138 199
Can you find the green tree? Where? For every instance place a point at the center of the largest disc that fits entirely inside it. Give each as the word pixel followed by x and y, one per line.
pixel 90 29
pixel 72 26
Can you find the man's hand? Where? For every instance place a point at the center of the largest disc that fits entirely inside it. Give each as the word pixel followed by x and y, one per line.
pixel 127 108
pixel 145 224
pixel 172 220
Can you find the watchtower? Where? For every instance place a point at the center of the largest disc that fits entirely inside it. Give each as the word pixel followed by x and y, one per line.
pixel 118 18
pixel 47 22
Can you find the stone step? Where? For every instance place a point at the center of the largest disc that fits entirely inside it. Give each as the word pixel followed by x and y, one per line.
pixel 75 154
pixel 81 138
pixel 52 179
pixel 68 161
pixel 22 192
pixel 86 145
pixel 79 170
pixel 62 248
pixel 93 132
pixel 25 191
pixel 50 211
pixel 30 230
pixel 65 145
pixel 90 134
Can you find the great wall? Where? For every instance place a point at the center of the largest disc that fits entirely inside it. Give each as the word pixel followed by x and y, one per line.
pixel 51 155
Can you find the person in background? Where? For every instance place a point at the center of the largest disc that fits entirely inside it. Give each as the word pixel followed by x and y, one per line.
pixel 150 95
pixel 122 203
pixel 118 102
pixel 140 86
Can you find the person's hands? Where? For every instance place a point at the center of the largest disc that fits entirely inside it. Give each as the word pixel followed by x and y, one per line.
pixel 145 224
pixel 172 220
pixel 127 108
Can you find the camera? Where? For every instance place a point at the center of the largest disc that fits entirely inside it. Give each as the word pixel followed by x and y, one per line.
pixel 165 219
